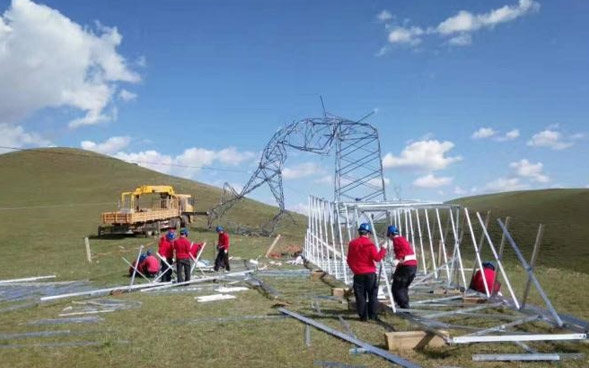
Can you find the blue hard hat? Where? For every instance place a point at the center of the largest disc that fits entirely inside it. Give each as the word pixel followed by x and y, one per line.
pixel 489 265
pixel 170 235
pixel 142 257
pixel 183 232
pixel 364 228
pixel 392 230
pixel 149 252
pixel 219 228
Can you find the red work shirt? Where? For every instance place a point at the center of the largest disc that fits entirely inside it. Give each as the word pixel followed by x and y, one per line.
pixel 223 242
pixel 182 248
pixel 479 285
pixel 195 248
pixel 166 248
pixel 151 264
pixel 403 250
pixel 362 254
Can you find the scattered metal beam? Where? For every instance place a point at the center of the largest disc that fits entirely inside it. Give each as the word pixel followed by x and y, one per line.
pixel 27 279
pixel 374 350
pixel 524 357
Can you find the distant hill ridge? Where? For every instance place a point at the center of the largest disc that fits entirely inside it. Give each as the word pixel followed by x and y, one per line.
pixel 75 177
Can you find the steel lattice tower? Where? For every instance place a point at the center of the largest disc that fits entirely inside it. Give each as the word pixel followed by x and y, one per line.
pixel 358 164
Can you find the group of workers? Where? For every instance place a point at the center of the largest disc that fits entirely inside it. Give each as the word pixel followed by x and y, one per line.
pixel 363 256
pixel 183 252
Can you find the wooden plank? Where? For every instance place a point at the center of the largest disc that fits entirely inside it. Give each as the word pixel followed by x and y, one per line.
pixel 404 340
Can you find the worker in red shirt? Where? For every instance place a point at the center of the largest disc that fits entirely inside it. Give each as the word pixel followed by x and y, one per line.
pixel 137 265
pixel 194 249
pixel 362 254
pixel 166 251
pixel 406 267
pixel 182 251
pixel 222 260
pixel 478 284
pixel 151 265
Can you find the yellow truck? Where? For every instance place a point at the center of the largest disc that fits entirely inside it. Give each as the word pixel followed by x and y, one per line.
pixel 148 210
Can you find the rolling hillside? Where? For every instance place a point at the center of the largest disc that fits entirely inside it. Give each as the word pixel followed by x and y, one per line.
pixel 52 198
pixel 564 212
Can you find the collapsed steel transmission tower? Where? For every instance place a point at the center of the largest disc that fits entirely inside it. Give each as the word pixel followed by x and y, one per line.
pixel 358 165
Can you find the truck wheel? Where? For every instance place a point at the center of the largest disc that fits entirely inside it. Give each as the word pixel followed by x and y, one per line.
pixel 99 232
pixel 184 221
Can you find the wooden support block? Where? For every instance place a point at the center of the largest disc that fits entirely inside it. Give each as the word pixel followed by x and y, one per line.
pixel 473 300
pixel 443 291
pixel 404 340
pixel 317 274
pixel 340 292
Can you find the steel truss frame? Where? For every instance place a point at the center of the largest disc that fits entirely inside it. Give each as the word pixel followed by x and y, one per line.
pixel 358 163
pixel 450 244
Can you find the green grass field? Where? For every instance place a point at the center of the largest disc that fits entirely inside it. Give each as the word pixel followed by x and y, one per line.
pixel 52 199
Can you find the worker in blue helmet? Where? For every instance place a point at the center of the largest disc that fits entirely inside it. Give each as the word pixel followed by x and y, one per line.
pixel 222 260
pixel 405 263
pixel 362 253
pixel 166 253
pixel 182 253
pixel 488 275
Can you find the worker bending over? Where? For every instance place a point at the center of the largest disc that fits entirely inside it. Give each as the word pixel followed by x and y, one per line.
pixel 406 267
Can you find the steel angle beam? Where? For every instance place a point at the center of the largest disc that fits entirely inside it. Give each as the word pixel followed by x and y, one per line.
pixel 523 357
pixel 522 337
pixel 372 349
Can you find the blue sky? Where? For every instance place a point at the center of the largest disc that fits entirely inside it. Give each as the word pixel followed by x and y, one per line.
pixel 469 97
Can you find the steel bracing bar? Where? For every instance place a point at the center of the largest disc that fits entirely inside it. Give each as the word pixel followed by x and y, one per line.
pixel 499 263
pixel 524 357
pixel 530 275
pixel 522 337
pixel 505 326
pixel 372 349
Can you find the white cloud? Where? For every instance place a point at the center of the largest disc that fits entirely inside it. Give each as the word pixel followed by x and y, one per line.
pixel 460 27
pixel 17 137
pixel 459 191
pixel 429 155
pixel 57 63
pixel 384 15
pixel 505 185
pixel 526 169
pixel 431 181
pixel 328 179
pixel 483 133
pixel 463 39
pixel 300 171
pixel 232 156
pixel 465 21
pixel 126 95
pixel 108 147
pixel 550 139
pixel 302 208
pixel 511 135
pixel 487 132
pixel 187 164
pixel 377 182
pixel 402 35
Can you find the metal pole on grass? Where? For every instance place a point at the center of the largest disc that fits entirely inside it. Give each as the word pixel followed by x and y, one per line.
pixel 136 265
pixel 531 275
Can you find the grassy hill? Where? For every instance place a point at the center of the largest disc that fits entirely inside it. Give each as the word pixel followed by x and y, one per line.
pixel 563 212
pixel 52 198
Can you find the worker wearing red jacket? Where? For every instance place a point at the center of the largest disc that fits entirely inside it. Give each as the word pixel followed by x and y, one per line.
pixel 478 284
pixel 362 254
pixel 222 260
pixel 194 249
pixel 182 251
pixel 166 252
pixel 406 267
pixel 151 266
